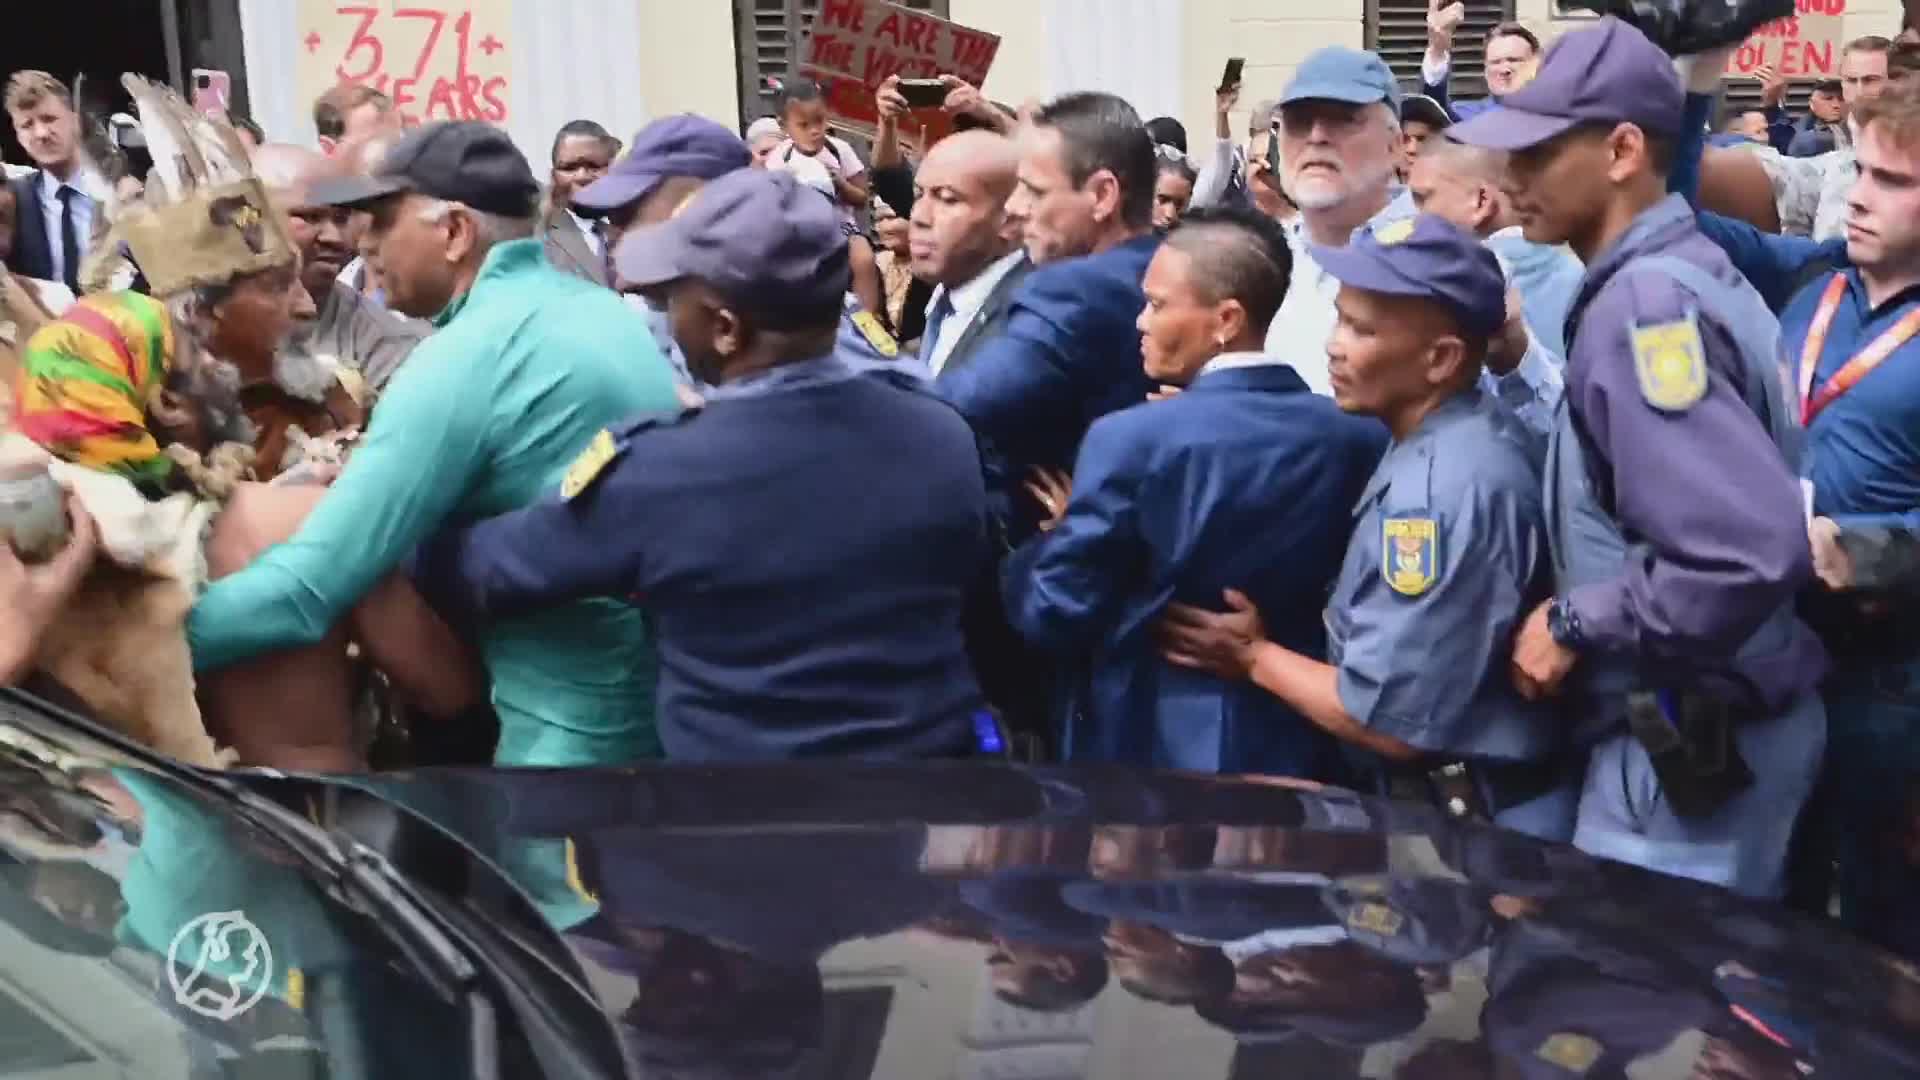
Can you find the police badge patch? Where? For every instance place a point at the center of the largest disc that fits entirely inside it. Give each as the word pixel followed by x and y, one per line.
pixel 1375 918
pixel 585 468
pixel 1671 363
pixel 1570 1052
pixel 1409 554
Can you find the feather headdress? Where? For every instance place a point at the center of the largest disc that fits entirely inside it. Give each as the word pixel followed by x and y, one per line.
pixel 204 218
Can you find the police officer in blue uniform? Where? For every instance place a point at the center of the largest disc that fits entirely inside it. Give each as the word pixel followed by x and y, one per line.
pixel 1448 549
pixel 1676 518
pixel 802 542
pixel 672 158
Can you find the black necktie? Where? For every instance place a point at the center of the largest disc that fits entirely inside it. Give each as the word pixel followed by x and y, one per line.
pixel 942 307
pixel 601 232
pixel 69 240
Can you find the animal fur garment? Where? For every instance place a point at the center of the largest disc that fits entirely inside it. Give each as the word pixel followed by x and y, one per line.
pixel 121 643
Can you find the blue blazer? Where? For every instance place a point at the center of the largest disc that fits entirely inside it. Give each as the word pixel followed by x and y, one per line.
pixel 1069 354
pixel 1245 481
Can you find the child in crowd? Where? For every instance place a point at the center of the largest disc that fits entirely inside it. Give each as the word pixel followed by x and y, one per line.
pixel 828 164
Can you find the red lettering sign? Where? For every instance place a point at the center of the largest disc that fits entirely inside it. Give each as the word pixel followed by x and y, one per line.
pixel 437 61
pixel 854 45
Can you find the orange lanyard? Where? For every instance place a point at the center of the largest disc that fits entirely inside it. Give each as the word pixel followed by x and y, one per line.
pixel 1850 374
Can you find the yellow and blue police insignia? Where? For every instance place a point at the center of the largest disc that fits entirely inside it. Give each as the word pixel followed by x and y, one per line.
pixel 876 334
pixel 1393 232
pixel 1374 917
pixel 1671 363
pixel 1570 1052
pixel 587 467
pixel 1410 553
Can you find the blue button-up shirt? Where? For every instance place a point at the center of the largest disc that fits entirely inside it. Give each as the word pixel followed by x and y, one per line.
pixel 1863 450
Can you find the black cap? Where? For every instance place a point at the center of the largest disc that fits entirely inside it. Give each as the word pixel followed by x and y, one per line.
pixel 467 162
pixel 1827 86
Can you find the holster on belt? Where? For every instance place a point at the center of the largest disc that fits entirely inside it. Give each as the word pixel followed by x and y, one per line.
pixel 1689 740
pixel 1475 790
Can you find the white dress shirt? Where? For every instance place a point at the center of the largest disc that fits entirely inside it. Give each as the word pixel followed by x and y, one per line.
pixel 85 199
pixel 1300 331
pixel 587 230
pixel 1227 361
pixel 967 300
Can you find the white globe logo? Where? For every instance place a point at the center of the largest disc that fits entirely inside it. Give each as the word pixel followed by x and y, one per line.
pixel 219 965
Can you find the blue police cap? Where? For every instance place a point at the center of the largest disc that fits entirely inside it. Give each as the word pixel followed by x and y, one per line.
pixel 1607 73
pixel 1428 257
pixel 758 236
pixel 1337 73
pixel 684 145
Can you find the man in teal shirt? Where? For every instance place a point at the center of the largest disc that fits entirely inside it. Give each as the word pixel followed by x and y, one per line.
pixel 526 365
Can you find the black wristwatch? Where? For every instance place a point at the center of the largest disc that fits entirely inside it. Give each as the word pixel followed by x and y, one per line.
pixel 1564 625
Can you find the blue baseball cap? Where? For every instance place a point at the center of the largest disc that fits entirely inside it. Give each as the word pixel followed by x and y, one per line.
pixel 1337 73
pixel 760 237
pixel 684 145
pixel 1607 73
pixel 1427 257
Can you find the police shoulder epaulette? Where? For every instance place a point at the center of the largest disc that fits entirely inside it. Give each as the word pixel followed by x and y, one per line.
pixel 608 445
pixel 876 334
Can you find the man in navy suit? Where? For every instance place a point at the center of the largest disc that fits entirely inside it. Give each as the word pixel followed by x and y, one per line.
pixel 1069 353
pixel 57 201
pixel 1246 479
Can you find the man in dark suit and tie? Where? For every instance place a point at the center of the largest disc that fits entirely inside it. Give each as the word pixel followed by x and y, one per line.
pixel 582 153
pixel 58 201
pixel 1069 352
pixel 961 241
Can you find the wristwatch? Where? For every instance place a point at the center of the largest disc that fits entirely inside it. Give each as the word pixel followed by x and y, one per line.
pixel 1564 625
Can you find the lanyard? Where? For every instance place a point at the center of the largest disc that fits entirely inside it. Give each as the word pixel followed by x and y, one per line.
pixel 1850 374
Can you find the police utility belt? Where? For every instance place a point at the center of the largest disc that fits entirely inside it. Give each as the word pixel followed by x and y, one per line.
pixel 1475 789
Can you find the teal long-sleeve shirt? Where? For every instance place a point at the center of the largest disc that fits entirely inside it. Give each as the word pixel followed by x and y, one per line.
pixel 484 418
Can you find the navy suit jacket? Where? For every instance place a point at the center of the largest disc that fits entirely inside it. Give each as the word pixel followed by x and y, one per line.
pixel 1246 481
pixel 1069 354
pixel 31 256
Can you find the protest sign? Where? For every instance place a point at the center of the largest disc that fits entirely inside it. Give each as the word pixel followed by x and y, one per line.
pixel 437 59
pixel 1804 45
pixel 854 45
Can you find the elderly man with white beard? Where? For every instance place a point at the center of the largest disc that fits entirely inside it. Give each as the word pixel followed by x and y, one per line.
pixel 1339 141
pixel 1339 145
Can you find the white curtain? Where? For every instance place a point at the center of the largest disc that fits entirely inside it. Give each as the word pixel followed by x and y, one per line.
pixel 1131 48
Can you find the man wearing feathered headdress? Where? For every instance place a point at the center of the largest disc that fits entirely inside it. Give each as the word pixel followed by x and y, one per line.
pixel 141 402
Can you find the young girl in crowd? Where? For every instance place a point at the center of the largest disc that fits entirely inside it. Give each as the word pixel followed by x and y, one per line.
pixel 828 164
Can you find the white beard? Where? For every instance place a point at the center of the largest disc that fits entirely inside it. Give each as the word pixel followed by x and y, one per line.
pixel 1316 193
pixel 306 375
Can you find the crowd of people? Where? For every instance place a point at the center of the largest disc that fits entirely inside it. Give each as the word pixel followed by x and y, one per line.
pixel 1440 449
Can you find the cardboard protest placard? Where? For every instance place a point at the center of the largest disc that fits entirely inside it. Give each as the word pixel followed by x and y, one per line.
pixel 437 59
pixel 1804 45
pixel 854 45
